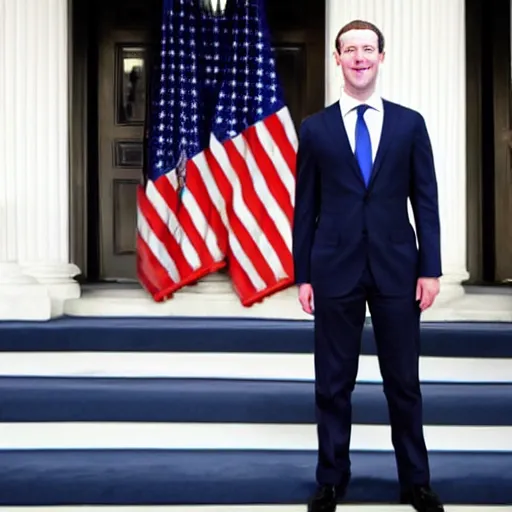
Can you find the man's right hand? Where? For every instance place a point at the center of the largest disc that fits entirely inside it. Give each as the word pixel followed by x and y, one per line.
pixel 306 298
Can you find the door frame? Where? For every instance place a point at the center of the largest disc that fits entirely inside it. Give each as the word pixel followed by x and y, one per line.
pixel 488 106
pixel 501 106
pixel 83 146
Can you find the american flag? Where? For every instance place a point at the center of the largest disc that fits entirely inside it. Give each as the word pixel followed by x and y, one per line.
pixel 220 181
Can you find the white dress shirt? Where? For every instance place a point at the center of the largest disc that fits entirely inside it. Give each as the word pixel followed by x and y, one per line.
pixel 373 117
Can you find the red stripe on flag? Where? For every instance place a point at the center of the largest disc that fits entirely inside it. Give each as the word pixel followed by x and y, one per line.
pixel 246 238
pixel 226 189
pixel 152 275
pixel 276 129
pixel 259 211
pixel 199 189
pixel 161 231
pixel 197 240
pixel 269 172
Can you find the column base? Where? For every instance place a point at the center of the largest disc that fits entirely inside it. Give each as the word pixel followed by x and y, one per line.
pixel 451 287
pixel 21 296
pixel 58 280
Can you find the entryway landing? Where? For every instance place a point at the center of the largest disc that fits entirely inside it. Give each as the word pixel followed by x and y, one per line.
pixel 215 298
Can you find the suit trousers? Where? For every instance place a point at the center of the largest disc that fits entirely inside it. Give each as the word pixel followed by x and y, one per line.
pixel 339 323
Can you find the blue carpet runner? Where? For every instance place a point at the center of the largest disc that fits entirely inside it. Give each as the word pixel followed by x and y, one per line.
pixel 229 477
pixel 232 401
pixel 444 339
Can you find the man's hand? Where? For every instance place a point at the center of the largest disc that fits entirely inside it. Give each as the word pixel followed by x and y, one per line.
pixel 306 298
pixel 427 290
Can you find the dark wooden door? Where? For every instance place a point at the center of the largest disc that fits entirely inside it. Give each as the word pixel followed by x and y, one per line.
pixel 126 32
pixel 500 105
pixel 127 29
pixel 297 29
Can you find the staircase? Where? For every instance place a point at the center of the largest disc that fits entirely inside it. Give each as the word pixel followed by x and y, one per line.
pixel 187 413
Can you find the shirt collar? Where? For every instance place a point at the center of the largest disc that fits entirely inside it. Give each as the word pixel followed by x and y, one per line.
pixel 347 103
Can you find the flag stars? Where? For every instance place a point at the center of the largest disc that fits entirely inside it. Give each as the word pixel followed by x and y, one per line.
pixel 249 93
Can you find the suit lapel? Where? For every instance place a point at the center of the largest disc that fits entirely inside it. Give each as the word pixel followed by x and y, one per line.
pixel 387 136
pixel 338 134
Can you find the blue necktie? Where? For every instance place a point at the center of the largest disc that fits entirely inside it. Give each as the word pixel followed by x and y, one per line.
pixel 363 145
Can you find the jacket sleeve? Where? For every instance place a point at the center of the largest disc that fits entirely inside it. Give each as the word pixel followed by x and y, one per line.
pixel 424 202
pixel 306 206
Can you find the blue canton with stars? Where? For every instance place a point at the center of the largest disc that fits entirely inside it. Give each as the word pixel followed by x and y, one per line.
pixel 217 75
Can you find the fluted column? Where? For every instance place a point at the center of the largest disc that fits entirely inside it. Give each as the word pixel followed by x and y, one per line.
pixel 424 69
pixel 34 165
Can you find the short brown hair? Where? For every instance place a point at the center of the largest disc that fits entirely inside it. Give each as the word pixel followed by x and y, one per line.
pixel 360 25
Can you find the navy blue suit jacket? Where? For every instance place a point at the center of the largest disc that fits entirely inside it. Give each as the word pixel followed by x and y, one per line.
pixel 340 225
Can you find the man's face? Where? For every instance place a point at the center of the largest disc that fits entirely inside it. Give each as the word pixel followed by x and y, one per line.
pixel 359 59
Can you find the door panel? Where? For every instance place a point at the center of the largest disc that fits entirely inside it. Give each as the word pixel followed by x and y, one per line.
pixel 127 31
pixel 124 46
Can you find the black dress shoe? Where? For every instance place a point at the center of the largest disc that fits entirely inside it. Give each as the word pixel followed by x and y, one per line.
pixel 422 498
pixel 324 499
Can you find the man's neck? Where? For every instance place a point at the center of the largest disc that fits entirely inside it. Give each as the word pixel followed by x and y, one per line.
pixel 359 95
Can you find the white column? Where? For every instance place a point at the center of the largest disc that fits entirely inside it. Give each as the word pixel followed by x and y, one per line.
pixel 34 160
pixel 424 69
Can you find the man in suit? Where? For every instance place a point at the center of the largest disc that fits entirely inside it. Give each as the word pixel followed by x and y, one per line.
pixel 359 161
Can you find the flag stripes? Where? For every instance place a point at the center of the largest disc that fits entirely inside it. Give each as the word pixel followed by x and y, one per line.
pixel 236 210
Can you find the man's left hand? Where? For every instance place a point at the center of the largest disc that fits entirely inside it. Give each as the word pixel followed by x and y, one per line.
pixel 427 290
